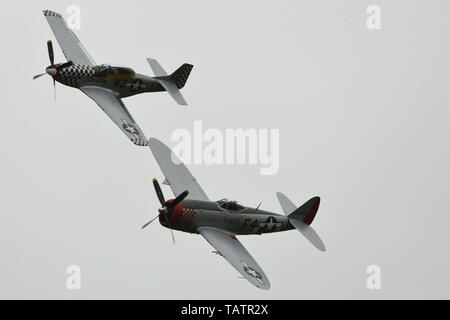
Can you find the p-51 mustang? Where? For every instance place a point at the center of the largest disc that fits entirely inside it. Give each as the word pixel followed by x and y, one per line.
pixel 220 221
pixel 106 84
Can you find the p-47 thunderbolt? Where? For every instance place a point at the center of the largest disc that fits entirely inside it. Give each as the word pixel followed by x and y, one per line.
pixel 107 84
pixel 219 222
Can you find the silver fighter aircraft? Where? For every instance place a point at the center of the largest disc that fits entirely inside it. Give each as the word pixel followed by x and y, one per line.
pixel 107 84
pixel 220 221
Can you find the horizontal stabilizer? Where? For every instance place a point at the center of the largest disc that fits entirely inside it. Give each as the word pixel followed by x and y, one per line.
pixel 156 67
pixel 286 204
pixel 174 82
pixel 309 233
pixel 173 91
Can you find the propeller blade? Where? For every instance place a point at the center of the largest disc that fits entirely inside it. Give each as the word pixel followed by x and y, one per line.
pixel 171 205
pixel 39 75
pixel 54 88
pixel 159 192
pixel 173 237
pixel 178 199
pixel 145 225
pixel 50 52
pixel 171 231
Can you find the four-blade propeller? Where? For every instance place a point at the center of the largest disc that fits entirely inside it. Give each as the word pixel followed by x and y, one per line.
pixel 53 69
pixel 167 206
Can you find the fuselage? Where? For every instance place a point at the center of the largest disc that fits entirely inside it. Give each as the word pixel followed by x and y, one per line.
pixel 189 215
pixel 122 81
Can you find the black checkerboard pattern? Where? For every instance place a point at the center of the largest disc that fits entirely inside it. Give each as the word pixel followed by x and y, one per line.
pixel 77 70
pixel 68 81
pixel 50 13
pixel 139 142
pixel 184 75
pixel 188 216
pixel 71 76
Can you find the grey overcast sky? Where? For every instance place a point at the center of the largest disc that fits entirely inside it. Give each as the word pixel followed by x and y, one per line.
pixel 363 118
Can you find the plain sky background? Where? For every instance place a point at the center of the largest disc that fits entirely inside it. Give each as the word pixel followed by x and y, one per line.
pixel 364 123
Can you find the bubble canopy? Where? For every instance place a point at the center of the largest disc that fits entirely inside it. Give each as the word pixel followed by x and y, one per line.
pixel 229 205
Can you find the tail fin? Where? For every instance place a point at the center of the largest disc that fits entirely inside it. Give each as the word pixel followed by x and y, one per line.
pixel 302 217
pixel 174 82
pixel 307 212
pixel 180 76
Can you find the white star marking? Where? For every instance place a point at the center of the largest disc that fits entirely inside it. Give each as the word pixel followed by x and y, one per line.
pixel 130 129
pixel 252 272
pixel 270 224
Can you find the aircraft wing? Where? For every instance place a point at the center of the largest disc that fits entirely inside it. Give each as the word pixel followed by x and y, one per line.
pixel 177 175
pixel 70 44
pixel 116 110
pixel 234 252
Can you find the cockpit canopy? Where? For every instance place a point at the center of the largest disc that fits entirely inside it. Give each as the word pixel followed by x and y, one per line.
pixel 229 205
pixel 107 70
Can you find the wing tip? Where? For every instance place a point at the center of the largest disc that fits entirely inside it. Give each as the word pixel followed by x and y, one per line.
pixel 152 141
pixel 322 247
pixel 140 142
pixel 265 288
pixel 279 194
pixel 50 13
